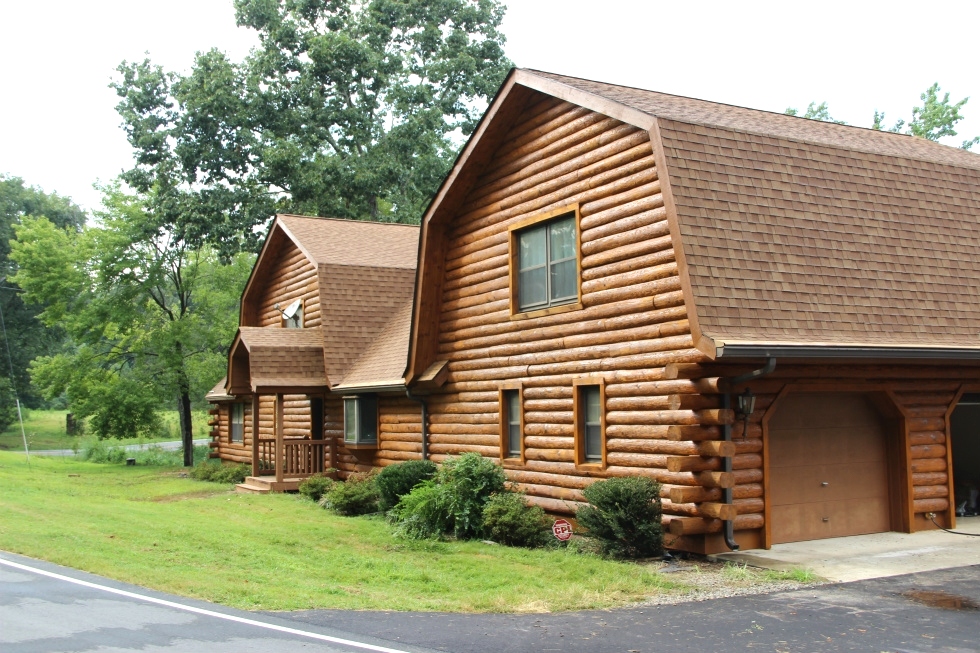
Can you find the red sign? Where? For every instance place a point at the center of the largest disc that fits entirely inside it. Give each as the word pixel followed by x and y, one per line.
pixel 562 529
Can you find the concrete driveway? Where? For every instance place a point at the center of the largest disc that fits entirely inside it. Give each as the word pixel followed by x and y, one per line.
pixel 860 557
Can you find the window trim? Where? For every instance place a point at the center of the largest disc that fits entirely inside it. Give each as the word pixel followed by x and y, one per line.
pixel 513 232
pixel 578 418
pixel 359 441
pixel 231 423
pixel 510 386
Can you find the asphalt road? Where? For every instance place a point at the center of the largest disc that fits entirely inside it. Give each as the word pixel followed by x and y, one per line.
pixel 61 610
pixel 900 614
pixel 166 446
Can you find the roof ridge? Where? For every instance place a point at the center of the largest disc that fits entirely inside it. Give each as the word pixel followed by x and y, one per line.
pixel 348 220
pixel 895 137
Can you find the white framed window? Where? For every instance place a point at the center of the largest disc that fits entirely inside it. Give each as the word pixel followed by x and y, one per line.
pixel 361 420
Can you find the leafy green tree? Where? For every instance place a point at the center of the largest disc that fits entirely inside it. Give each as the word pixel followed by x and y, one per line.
pixel 149 316
pixel 26 337
pixel 346 109
pixel 815 112
pixel 935 119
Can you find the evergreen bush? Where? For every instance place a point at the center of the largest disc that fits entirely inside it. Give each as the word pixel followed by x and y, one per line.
pixel 316 486
pixel 358 495
pixel 509 519
pixel 422 513
pixel 217 472
pixel 452 502
pixel 623 516
pixel 395 481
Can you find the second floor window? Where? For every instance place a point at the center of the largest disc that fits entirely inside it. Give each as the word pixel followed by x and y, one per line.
pixel 547 263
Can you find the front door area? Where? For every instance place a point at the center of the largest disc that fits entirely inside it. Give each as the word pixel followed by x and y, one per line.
pixel 828 468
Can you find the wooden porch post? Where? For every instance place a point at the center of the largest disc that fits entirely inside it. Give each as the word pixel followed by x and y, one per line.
pixel 279 443
pixel 255 435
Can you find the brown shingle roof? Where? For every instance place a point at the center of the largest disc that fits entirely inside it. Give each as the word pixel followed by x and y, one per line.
pixel 354 242
pixel 218 393
pixel 366 273
pixel 383 363
pixel 284 357
pixel 800 231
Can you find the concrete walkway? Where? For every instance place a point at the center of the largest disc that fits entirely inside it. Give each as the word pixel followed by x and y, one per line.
pixel 860 557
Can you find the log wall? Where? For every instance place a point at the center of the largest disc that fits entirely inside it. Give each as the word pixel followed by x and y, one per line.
pixel 290 276
pixel 632 325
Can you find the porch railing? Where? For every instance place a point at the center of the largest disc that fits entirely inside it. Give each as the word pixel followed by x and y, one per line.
pixel 301 457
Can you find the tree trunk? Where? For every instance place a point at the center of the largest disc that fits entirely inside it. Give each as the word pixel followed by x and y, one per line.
pixel 186 432
pixel 184 410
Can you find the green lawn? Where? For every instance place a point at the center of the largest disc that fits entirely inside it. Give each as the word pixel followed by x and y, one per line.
pixel 150 527
pixel 45 429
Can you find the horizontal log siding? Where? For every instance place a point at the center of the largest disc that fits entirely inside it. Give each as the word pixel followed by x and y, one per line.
pixel 292 276
pixel 633 325
pixel 924 393
pixel 237 452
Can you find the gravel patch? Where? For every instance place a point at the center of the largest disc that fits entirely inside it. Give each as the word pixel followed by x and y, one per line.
pixel 701 580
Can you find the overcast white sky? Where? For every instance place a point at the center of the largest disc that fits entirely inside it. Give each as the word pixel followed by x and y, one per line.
pixel 59 129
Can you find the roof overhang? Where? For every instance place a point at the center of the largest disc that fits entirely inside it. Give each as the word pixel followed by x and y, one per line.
pixel 742 350
pixel 270 360
pixel 394 385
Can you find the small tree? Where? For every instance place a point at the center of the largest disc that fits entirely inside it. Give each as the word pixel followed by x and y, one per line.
pixel 623 516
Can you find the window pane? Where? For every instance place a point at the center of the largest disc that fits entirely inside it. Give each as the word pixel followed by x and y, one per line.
pixel 531 248
pixel 513 406
pixel 514 440
pixel 593 443
pixel 564 280
pixel 350 420
pixel 562 239
pixel 592 408
pixel 532 287
pixel 368 419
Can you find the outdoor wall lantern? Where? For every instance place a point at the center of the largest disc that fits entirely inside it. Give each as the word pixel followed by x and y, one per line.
pixel 746 406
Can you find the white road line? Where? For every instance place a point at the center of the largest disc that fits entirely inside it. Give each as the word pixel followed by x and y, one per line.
pixel 207 613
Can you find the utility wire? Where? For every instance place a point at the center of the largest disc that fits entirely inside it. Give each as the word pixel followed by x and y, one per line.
pixel 933 518
pixel 10 361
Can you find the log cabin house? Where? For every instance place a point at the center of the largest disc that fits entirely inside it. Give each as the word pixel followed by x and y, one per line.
pixel 776 318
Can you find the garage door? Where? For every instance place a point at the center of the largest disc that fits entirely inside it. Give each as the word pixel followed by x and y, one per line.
pixel 828 470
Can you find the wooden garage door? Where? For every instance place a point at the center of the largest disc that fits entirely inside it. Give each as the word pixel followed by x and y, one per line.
pixel 828 471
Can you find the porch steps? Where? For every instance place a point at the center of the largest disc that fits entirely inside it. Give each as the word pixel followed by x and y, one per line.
pixel 266 484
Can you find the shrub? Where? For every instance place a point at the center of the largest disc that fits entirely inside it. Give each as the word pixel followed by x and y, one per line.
pixel 395 481
pixel 508 519
pixel 470 481
pixel 217 472
pixel 623 516
pixel 358 495
pixel 422 513
pixel 452 502
pixel 316 486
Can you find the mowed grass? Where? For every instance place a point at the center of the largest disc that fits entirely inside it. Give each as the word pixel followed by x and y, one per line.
pixel 280 552
pixel 45 429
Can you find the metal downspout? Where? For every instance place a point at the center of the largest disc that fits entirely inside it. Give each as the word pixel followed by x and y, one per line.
pixel 425 422
pixel 726 402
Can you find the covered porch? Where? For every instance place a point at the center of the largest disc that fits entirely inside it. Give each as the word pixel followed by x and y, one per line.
pixel 281 363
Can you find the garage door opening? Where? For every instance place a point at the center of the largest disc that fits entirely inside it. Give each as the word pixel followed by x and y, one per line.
pixel 964 427
pixel 828 467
